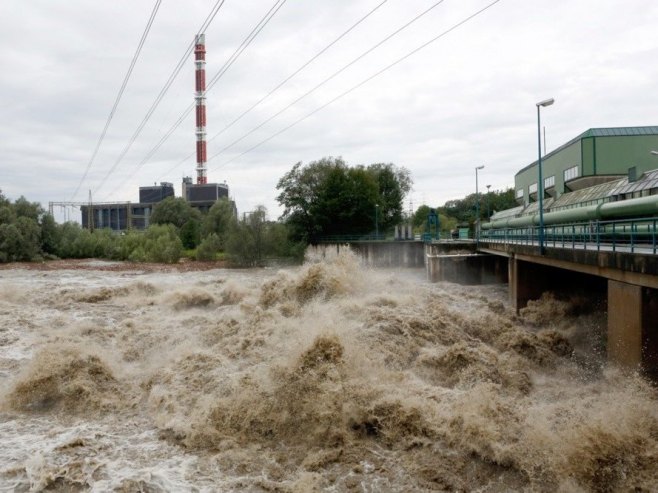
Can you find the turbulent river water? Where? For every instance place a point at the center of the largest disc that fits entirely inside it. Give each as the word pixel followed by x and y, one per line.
pixel 325 377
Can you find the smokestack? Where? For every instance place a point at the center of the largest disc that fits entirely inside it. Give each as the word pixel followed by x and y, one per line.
pixel 200 98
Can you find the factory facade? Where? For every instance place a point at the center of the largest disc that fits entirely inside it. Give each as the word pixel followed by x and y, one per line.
pixel 121 216
pixel 595 157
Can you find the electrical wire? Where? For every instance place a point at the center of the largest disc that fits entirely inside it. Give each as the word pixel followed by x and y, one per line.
pixel 119 95
pixel 287 79
pixel 211 16
pixel 363 82
pixel 236 54
pixel 281 84
pixel 332 76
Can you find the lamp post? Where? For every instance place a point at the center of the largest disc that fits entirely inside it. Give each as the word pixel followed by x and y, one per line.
pixel 540 183
pixel 477 205
pixel 376 222
pixel 488 201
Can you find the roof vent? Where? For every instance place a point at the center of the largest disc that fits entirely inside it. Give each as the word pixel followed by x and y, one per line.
pixel 632 174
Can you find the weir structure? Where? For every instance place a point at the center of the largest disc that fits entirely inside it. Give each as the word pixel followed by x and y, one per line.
pixel 200 100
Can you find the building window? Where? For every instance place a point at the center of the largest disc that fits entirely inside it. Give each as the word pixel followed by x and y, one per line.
pixel 519 193
pixel 571 173
pixel 532 188
pixel 549 182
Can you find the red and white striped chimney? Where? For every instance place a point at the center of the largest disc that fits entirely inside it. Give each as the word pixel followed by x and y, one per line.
pixel 200 98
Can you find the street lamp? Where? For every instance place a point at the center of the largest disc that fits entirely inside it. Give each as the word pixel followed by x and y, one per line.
pixel 540 183
pixel 477 205
pixel 488 200
pixel 376 222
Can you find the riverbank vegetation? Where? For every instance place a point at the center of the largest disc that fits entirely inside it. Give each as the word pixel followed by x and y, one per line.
pixel 321 200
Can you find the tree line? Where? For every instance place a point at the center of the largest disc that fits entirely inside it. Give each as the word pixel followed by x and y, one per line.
pixel 325 198
pixel 464 212
pixel 28 233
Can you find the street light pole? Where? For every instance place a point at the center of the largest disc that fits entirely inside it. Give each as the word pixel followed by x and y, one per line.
pixel 477 205
pixel 376 222
pixel 540 183
pixel 488 201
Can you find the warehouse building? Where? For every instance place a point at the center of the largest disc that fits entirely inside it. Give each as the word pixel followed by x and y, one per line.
pixel 595 157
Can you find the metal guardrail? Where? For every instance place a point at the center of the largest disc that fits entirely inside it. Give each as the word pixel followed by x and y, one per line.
pixel 350 238
pixel 627 235
pixel 427 238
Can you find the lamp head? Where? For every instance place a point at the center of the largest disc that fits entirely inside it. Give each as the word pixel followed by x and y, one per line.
pixel 655 153
pixel 546 102
pixel 479 167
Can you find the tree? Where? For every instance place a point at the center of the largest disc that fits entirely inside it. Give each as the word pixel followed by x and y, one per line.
pixel 177 212
pixel 393 184
pixel 174 210
pixel 50 234
pixel 327 197
pixel 219 221
pixel 209 248
pixel 25 208
pixel 247 243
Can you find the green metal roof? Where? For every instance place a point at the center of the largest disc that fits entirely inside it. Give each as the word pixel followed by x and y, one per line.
pixel 599 132
pixel 618 132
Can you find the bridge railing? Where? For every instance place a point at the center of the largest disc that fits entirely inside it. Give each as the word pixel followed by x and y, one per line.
pixel 349 238
pixel 627 235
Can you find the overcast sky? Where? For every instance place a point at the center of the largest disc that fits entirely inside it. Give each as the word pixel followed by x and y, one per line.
pixel 467 99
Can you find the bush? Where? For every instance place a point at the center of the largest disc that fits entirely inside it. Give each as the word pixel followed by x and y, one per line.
pixel 160 244
pixel 209 247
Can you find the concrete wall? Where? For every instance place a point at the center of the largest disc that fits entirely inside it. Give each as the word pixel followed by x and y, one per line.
pixel 379 254
pixel 467 268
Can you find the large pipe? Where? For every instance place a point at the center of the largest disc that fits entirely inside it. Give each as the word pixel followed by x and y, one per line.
pixel 631 208
pixel 200 99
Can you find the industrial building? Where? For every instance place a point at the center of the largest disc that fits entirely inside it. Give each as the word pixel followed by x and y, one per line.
pixel 121 216
pixel 594 157
pixel 203 196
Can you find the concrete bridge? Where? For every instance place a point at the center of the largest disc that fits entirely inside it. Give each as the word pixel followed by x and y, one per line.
pixel 626 278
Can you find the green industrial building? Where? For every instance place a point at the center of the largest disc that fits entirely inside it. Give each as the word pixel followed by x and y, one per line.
pixel 595 157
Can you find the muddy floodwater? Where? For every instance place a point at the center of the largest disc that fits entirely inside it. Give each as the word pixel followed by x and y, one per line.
pixel 325 377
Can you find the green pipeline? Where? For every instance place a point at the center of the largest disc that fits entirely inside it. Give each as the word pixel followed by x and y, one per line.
pixel 631 208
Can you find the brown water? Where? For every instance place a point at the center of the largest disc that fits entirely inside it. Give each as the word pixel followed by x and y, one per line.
pixel 329 377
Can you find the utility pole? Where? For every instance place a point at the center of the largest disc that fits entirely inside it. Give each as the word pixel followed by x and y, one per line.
pixel 90 214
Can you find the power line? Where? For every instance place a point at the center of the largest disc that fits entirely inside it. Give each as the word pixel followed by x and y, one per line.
pixel 236 54
pixel 287 79
pixel 281 84
pixel 363 82
pixel 247 41
pixel 332 76
pixel 162 93
pixel 120 93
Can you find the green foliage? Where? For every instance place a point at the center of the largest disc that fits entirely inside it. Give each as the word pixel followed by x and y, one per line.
pixel 327 197
pixel 25 208
pixel 190 233
pixel 463 211
pixel 254 239
pixel 174 210
pixel 219 221
pixel 160 243
pixel 50 234
pixel 210 246
pixel 20 233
